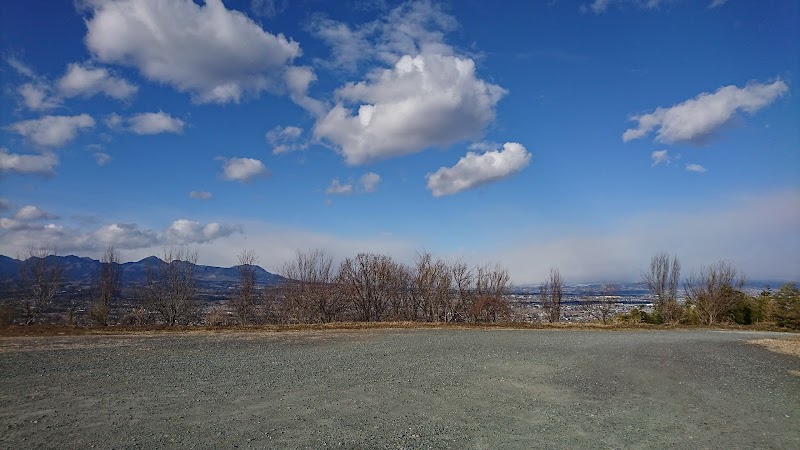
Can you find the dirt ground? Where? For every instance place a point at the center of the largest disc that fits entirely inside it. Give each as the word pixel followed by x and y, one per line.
pixel 388 388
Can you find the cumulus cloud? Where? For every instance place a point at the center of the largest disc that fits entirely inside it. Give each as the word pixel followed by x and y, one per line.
pixel 366 184
pixel 369 181
pixel 87 81
pixel 213 53
pixel 697 168
pixel 298 80
pixel 121 235
pixel 155 123
pixel 5 204
pixel 423 101
pixel 659 157
pixel 43 164
pixel 285 139
pixel 124 236
pixel 183 231
pixel 201 195
pixel 31 212
pixel 337 188
pixel 38 97
pixel 52 131
pixel 695 120
pixel 242 169
pixel 600 6
pixel 475 169
pixel 423 94
pixel 102 158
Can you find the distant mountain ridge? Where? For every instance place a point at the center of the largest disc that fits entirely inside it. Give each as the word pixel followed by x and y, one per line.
pixel 82 269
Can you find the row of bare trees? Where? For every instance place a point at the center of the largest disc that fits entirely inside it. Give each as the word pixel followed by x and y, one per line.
pixel 709 295
pixel 367 287
pixel 372 287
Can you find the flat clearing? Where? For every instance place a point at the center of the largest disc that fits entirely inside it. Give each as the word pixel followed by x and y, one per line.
pixel 400 388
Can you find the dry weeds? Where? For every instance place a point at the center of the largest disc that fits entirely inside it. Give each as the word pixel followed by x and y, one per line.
pixel 790 346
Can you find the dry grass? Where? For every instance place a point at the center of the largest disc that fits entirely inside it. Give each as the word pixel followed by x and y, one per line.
pixel 64 330
pixel 790 346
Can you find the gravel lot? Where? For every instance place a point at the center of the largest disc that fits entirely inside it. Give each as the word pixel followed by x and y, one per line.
pixel 400 389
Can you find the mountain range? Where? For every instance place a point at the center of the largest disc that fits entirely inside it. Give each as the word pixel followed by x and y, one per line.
pixel 83 269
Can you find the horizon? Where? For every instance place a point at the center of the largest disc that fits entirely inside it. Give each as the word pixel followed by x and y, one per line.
pixel 766 282
pixel 589 141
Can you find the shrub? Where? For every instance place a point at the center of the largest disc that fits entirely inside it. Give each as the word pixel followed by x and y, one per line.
pixel 786 306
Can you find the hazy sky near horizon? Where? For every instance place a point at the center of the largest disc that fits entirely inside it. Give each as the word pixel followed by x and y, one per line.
pixel 583 135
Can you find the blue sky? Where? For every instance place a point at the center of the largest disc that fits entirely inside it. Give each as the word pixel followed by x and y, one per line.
pixel 581 135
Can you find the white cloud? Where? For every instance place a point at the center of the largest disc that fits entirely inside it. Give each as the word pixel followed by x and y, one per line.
pixel 5 204
pixel 183 231
pixel 21 68
pixel 124 236
pixel 412 28
pixel 337 188
pixel 155 123
pixel 52 131
pixel 37 97
pixel 113 121
pixel 659 157
pixel 87 81
pixel 298 80
pixel 44 164
pixel 31 212
pixel 215 54
pixel 15 225
pixel 423 101
pixel 369 182
pixel 716 3
pixel 102 158
pixel 600 6
pixel 201 195
pixel 428 96
pixel 348 46
pixel 285 139
pixel 697 168
pixel 695 120
pixel 268 8
pixel 476 169
pixel 242 169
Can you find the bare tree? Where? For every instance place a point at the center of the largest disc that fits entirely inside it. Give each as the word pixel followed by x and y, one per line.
pixel 430 289
pixel 662 280
pixel 170 285
pixel 463 289
pixel 372 283
pixel 247 295
pixel 551 295
pixel 713 292
pixel 41 275
pixel 491 284
pixel 601 306
pixel 310 287
pixel 106 289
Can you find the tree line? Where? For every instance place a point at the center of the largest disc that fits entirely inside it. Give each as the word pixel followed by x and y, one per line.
pixel 372 287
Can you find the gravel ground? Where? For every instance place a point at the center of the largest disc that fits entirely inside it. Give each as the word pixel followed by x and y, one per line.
pixel 400 389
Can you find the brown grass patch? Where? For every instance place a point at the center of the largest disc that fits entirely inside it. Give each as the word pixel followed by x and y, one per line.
pixel 790 346
pixel 65 330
